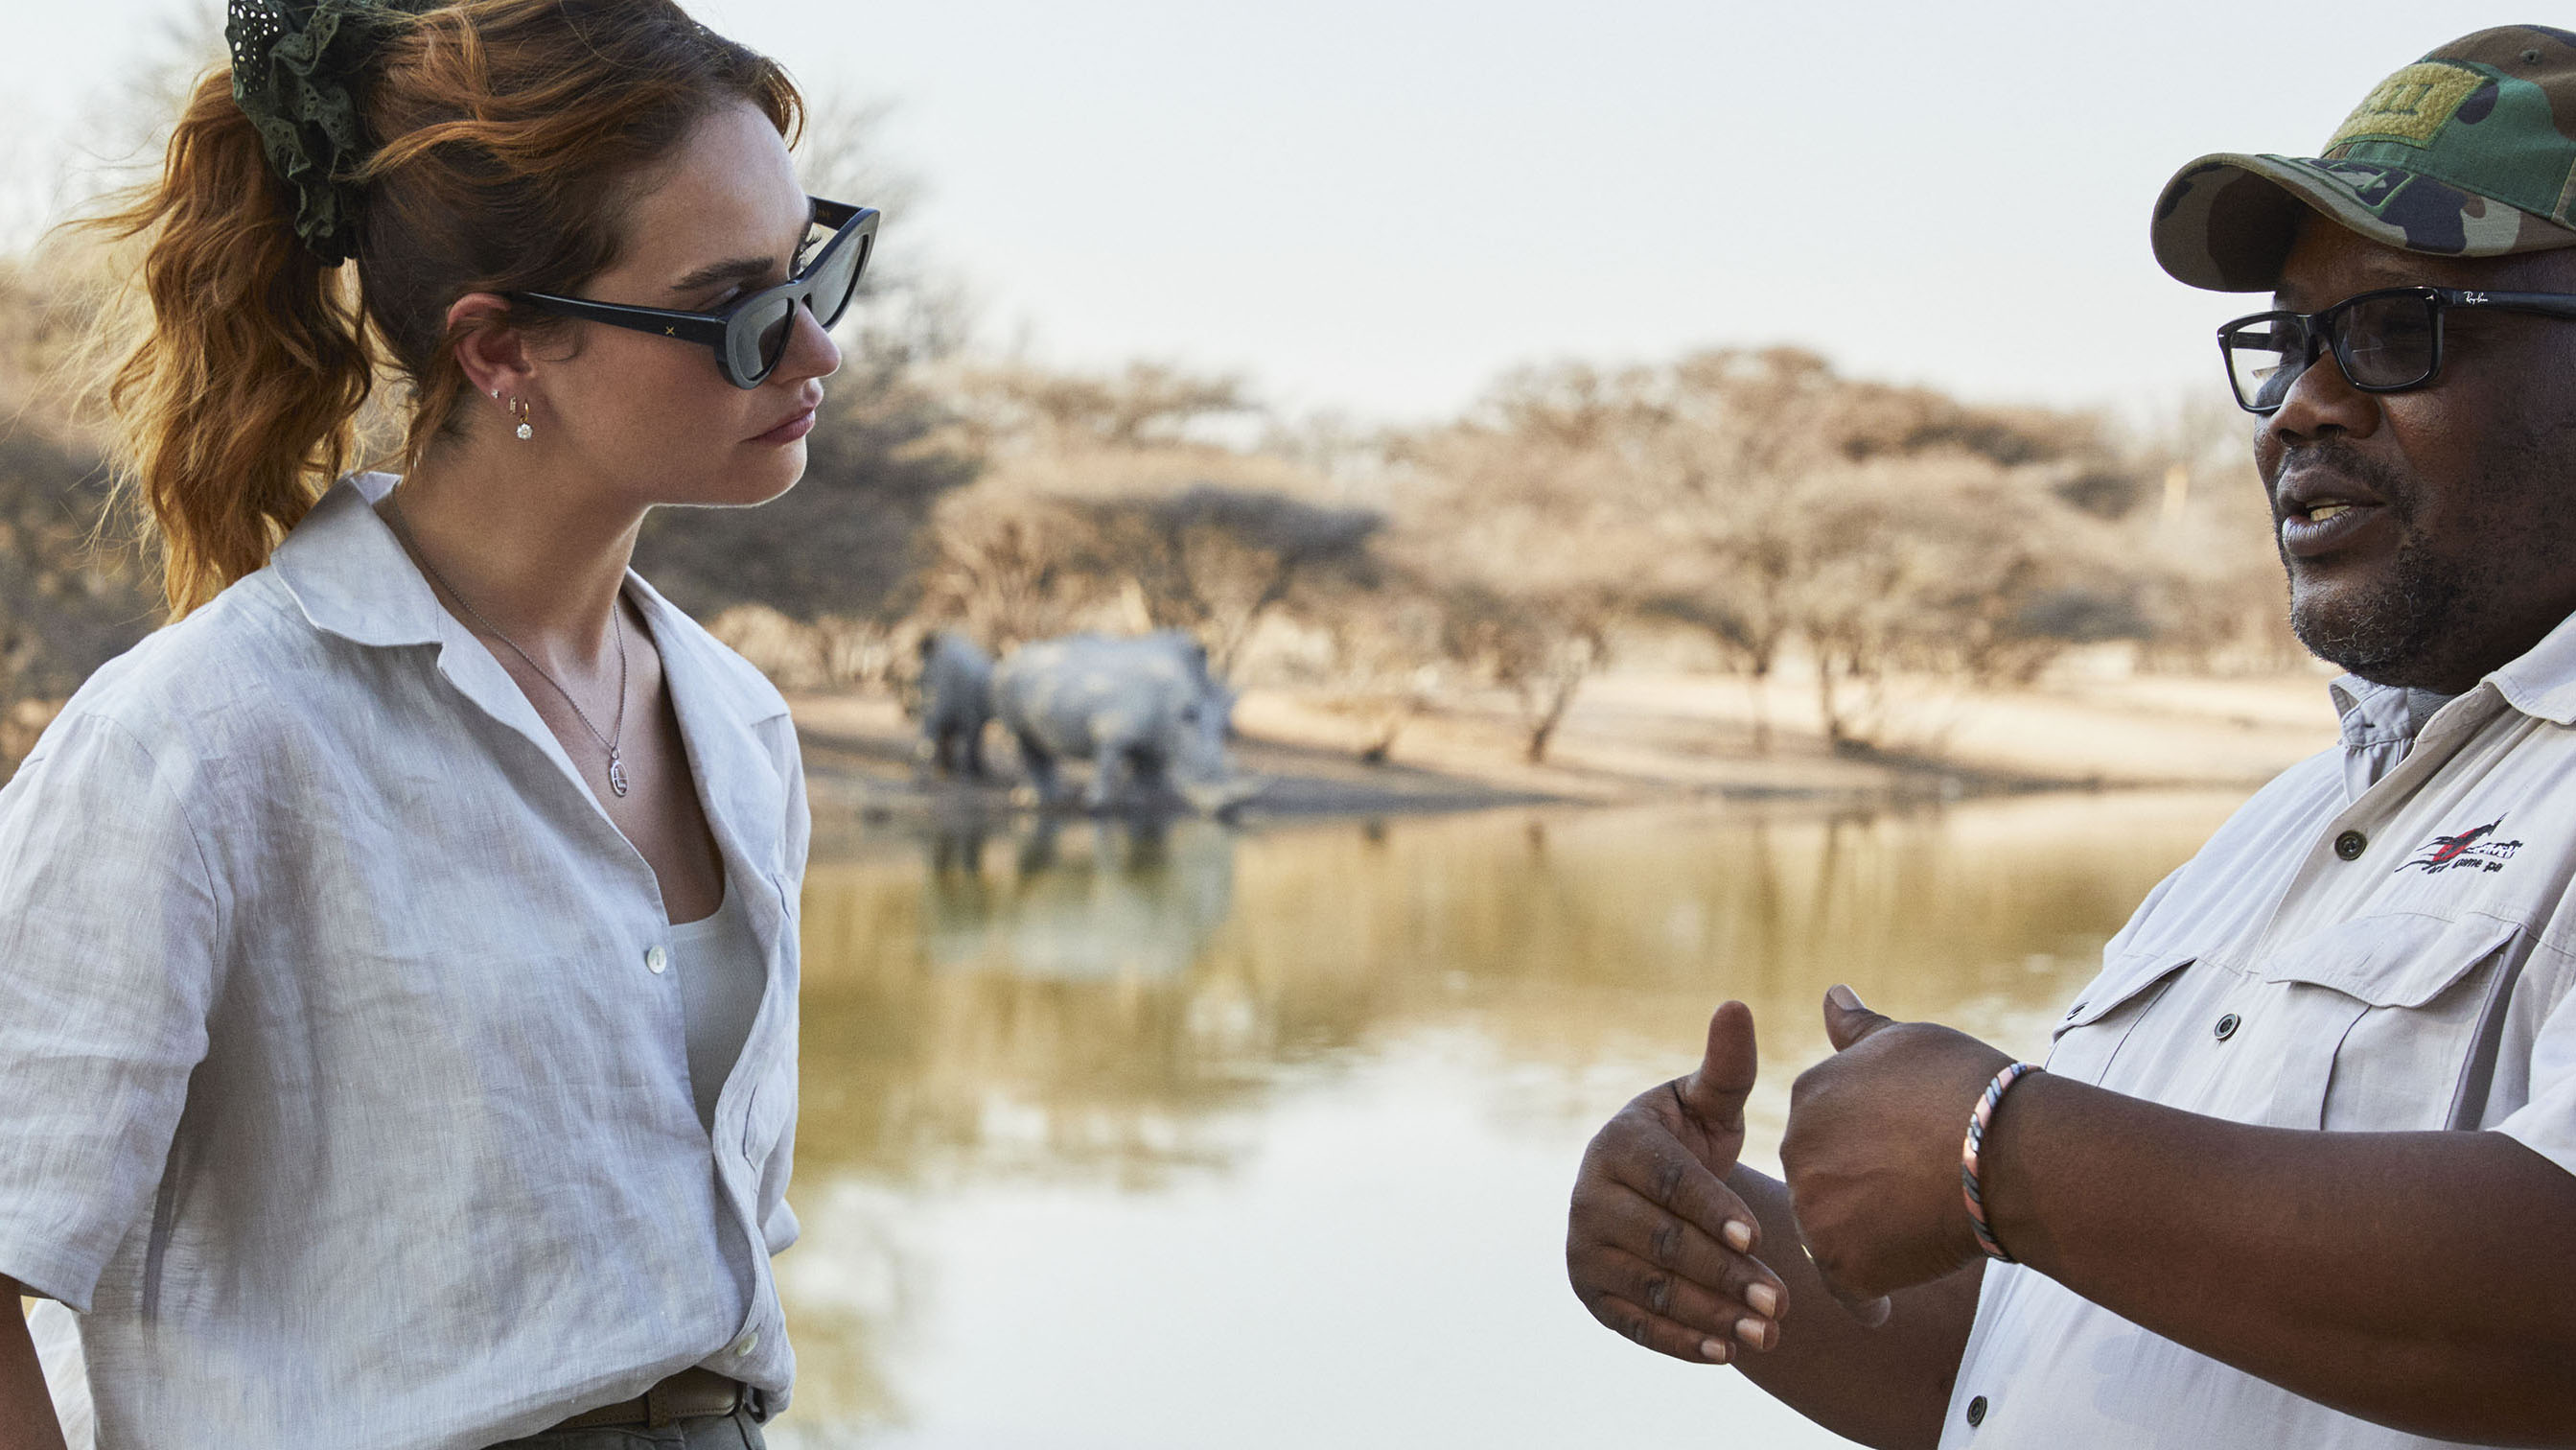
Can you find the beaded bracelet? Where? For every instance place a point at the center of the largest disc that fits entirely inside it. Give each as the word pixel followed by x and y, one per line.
pixel 1978 1122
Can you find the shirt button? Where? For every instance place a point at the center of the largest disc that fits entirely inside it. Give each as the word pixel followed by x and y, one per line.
pixel 745 1345
pixel 655 959
pixel 2351 844
pixel 2225 1027
pixel 1976 1412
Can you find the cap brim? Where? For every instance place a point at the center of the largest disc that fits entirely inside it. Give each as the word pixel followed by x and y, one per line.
pixel 2226 221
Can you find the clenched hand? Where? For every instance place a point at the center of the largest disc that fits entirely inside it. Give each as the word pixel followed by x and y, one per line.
pixel 1872 1152
pixel 1657 1246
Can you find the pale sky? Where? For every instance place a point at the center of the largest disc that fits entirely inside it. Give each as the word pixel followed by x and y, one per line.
pixel 1377 206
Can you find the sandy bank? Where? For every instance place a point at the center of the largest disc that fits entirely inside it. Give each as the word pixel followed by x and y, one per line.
pixel 1641 737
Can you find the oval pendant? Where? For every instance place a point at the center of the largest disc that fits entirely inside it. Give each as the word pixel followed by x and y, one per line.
pixel 616 775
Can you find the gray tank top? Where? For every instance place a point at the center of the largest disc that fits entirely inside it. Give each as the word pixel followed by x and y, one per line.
pixel 721 978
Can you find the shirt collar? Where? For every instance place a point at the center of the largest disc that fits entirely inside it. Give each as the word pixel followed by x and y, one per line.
pixel 2371 713
pixel 2542 683
pixel 351 577
pixel 709 670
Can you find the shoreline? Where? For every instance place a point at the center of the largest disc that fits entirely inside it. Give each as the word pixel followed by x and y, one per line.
pixel 1658 738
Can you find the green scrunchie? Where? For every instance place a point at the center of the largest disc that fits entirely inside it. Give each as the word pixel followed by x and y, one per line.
pixel 298 66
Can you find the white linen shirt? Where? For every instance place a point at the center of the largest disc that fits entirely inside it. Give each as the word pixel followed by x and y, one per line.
pixel 2383 939
pixel 343 1084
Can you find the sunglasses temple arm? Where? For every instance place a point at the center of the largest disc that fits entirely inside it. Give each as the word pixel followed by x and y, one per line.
pixel 687 326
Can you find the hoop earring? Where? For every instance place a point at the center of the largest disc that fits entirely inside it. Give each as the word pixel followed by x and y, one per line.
pixel 519 410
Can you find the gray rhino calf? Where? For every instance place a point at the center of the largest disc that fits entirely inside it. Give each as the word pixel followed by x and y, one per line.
pixel 1143 711
pixel 956 694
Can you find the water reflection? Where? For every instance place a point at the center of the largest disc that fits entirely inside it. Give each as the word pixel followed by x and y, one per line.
pixel 1079 901
pixel 1102 1014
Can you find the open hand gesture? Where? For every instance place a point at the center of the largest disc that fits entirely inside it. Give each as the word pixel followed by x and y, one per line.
pixel 1657 1246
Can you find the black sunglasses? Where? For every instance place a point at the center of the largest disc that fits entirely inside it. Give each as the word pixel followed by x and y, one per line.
pixel 2385 341
pixel 750 335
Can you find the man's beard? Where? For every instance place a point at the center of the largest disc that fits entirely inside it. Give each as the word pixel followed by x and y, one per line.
pixel 2398 629
pixel 2422 622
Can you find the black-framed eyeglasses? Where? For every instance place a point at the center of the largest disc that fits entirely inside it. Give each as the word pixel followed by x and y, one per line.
pixel 2385 341
pixel 750 336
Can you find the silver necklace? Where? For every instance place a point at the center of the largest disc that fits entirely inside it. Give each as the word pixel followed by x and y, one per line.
pixel 616 730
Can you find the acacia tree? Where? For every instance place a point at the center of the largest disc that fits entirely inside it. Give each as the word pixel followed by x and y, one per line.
pixel 1541 645
pixel 1010 566
pixel 1098 497
pixel 1520 515
pixel 1875 526
pixel 1390 645
pixel 1754 457
pixel 1025 409
pixel 1216 560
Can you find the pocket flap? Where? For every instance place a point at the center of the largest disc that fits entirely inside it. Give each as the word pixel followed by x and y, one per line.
pixel 2396 960
pixel 2122 980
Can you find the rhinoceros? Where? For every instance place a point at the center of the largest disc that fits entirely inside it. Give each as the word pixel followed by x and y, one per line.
pixel 956 695
pixel 1143 710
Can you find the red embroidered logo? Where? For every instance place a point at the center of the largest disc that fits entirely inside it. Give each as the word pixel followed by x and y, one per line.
pixel 2471 850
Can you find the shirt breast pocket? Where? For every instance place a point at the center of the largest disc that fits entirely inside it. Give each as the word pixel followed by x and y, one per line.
pixel 2380 1019
pixel 2090 1036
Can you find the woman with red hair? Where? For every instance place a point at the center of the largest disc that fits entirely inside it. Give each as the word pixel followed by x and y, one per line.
pixel 398 950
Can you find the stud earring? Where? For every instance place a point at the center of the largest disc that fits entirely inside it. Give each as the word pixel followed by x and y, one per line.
pixel 519 410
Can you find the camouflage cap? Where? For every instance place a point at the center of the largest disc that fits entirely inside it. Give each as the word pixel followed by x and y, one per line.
pixel 2469 152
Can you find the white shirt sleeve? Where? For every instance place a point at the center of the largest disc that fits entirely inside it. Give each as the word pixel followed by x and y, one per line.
pixel 110 921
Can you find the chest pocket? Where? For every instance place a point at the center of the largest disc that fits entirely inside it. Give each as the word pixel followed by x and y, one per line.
pixel 2382 1019
pixel 2105 1013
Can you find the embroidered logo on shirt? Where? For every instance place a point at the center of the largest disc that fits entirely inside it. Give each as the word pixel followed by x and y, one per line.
pixel 2471 850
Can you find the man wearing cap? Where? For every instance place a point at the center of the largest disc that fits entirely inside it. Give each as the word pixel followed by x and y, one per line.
pixel 2300 1169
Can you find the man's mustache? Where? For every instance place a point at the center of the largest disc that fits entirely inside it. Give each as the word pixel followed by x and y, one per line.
pixel 2335 457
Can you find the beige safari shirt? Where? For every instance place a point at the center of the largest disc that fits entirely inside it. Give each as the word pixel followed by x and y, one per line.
pixel 344 1089
pixel 2380 940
